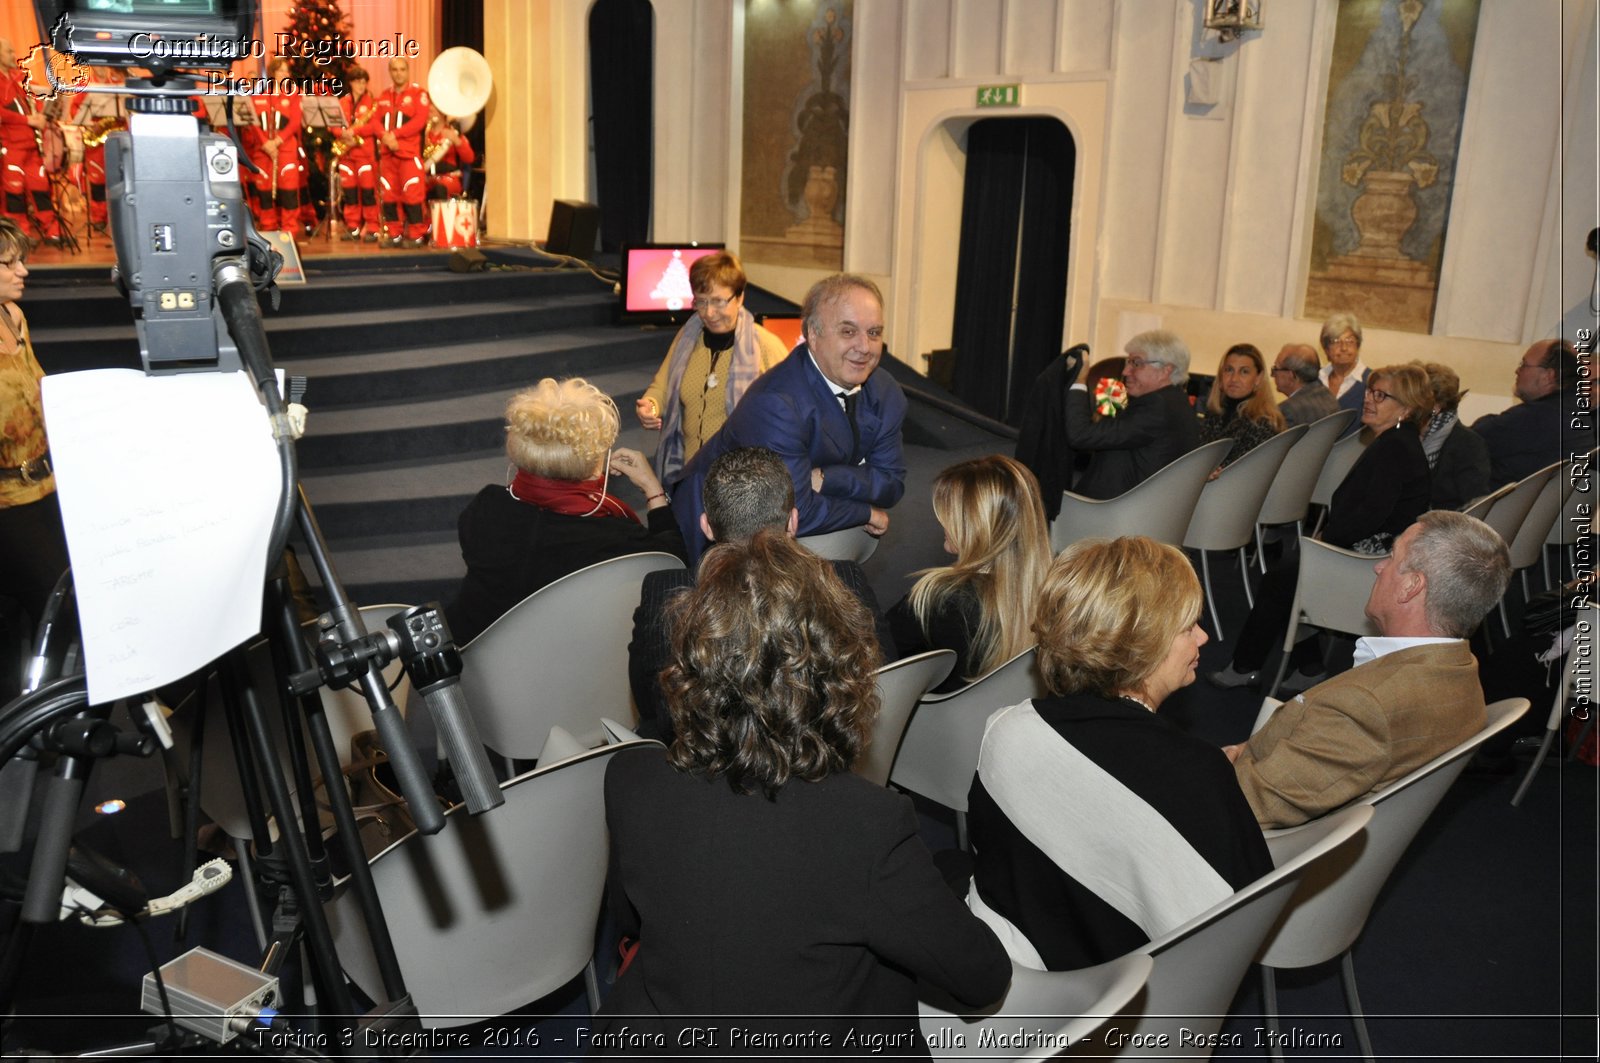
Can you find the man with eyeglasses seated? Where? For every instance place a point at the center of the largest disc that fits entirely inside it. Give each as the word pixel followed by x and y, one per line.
pixel 1157 426
pixel 1528 436
pixel 827 411
pixel 1296 373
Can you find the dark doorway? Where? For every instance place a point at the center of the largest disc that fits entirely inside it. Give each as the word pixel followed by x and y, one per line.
pixel 1011 276
pixel 621 46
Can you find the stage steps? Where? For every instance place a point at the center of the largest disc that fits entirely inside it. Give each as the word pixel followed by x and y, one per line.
pixel 408 368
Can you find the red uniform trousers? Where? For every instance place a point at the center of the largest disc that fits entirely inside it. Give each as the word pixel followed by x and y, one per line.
pixel 404 187
pixel 358 180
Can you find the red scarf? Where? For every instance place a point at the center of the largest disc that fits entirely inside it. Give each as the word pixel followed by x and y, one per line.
pixel 575 498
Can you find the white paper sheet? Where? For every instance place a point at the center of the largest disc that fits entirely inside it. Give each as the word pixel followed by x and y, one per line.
pixel 168 487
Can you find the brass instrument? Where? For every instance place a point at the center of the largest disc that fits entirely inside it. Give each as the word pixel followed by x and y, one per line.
pixel 432 149
pixel 96 132
pixel 339 146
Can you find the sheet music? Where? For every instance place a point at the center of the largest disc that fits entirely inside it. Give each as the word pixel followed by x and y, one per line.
pixel 168 486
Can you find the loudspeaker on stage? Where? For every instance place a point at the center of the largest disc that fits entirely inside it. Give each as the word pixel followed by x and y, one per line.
pixel 573 228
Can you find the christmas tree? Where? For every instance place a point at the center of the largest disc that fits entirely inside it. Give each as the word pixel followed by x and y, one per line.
pixel 319 29
pixel 674 284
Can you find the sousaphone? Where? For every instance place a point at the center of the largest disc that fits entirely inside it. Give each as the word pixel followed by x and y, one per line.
pixel 459 83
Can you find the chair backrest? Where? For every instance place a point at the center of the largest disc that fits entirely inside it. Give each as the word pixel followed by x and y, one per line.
pixel 1528 545
pixel 900 686
pixel 1579 493
pixel 1330 906
pixel 846 544
pixel 1225 515
pixel 1341 456
pixel 1480 507
pixel 1508 513
pixel 939 754
pixel 1159 507
pixel 495 910
pixel 1199 965
pixel 558 657
pixel 1290 495
pixel 347 713
pixel 1084 998
pixel 1333 588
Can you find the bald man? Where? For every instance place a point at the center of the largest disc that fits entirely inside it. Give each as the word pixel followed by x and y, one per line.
pixel 1296 374
pixel 1532 434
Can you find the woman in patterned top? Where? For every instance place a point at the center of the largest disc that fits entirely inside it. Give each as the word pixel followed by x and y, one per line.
pixel 32 541
pixel 1240 407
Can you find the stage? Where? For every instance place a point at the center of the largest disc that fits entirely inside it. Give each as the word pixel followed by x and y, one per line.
pixel 99 251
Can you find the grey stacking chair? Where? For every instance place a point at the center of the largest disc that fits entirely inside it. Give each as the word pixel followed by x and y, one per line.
pixel 1226 513
pixel 900 686
pixel 1527 549
pixel 559 657
pixel 496 910
pixel 1510 512
pixel 1558 709
pixel 939 754
pixel 1480 507
pixel 1066 1006
pixel 1332 591
pixel 1341 456
pixel 1579 493
pixel 1199 965
pixel 1160 507
pixel 1290 496
pixel 846 544
pixel 1330 907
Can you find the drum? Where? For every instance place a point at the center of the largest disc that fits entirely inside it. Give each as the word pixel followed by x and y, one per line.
pixel 455 222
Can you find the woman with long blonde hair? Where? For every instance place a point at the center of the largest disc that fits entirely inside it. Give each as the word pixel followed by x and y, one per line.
pixel 981 606
pixel 1241 406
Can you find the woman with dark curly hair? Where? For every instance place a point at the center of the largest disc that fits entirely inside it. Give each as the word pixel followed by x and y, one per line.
pixel 762 878
pixel 1097 825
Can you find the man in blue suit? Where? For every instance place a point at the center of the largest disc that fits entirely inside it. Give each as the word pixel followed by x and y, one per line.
pixel 827 412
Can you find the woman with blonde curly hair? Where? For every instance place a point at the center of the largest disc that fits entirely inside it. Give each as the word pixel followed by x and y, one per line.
pixel 556 514
pixel 1241 406
pixel 1096 824
pixel 760 877
pixel 980 606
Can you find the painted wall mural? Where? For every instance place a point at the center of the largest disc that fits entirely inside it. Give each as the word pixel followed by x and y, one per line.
pixel 796 133
pixel 1392 131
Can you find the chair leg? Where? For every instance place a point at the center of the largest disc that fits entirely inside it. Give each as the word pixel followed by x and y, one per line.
pixel 1505 621
pixel 1269 1003
pixel 1533 769
pixel 1244 577
pixel 1347 974
pixel 961 832
pixel 1261 551
pixel 1526 592
pixel 1211 599
pixel 591 986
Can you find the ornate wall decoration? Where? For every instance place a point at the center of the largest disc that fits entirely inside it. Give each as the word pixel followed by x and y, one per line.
pixel 1395 98
pixel 796 133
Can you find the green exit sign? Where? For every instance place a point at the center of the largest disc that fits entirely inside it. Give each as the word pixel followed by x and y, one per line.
pixel 999 95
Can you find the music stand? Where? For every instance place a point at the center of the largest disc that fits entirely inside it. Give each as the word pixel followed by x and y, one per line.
pixel 324 113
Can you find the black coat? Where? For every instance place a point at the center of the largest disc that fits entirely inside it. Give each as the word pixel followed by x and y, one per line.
pixel 1155 430
pixel 822 904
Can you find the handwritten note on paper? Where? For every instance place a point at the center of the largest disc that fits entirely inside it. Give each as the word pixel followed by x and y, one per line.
pixel 168 486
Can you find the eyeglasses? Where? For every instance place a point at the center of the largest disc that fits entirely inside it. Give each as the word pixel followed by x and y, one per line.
pixel 1379 395
pixel 1520 366
pixel 1281 369
pixel 1345 341
pixel 1140 363
pixel 702 302
pixel 11 263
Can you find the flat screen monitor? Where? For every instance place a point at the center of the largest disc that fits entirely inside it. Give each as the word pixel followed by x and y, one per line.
pixel 655 281
pixel 784 326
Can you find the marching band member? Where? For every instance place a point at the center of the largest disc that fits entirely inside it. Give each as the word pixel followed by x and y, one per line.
pixel 449 153
pixel 273 144
pixel 357 160
pixel 398 125
pixel 98 115
pixel 23 167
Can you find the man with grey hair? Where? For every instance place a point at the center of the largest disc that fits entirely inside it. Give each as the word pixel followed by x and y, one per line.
pixel 746 489
pixel 1413 693
pixel 827 411
pixel 1157 426
pixel 1296 373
